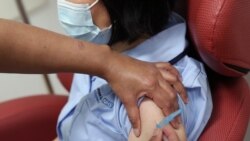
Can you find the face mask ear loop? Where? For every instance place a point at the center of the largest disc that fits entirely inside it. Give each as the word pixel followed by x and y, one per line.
pixel 93 4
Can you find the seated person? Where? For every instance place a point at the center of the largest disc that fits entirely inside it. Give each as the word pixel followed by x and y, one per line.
pixel 146 30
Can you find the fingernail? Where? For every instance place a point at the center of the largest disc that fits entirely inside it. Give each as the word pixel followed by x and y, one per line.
pixel 156 131
pixel 165 138
pixel 136 132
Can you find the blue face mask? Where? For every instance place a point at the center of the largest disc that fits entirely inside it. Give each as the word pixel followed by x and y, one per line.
pixel 76 20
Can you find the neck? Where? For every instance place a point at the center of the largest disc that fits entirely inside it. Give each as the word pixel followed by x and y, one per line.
pixel 125 45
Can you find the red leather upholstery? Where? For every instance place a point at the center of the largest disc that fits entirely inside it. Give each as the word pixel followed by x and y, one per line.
pixel 30 118
pixel 66 79
pixel 230 116
pixel 220 30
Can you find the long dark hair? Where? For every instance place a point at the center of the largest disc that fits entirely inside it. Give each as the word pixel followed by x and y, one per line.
pixel 132 19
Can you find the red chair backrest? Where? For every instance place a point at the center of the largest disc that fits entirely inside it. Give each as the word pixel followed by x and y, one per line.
pixel 221 34
pixel 66 79
pixel 220 29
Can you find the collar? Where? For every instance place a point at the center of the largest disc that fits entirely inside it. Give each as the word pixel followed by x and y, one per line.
pixel 164 46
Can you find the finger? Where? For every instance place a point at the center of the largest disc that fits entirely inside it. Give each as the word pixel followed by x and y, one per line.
pixel 157 135
pixel 168 76
pixel 169 95
pixel 170 68
pixel 165 96
pixel 176 122
pixel 165 102
pixel 176 83
pixel 172 105
pixel 134 117
pixel 166 86
pixel 179 87
pixel 170 134
pixel 165 138
pixel 169 106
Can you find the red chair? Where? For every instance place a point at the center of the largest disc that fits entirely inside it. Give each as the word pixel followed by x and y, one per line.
pixel 219 31
pixel 221 34
pixel 32 118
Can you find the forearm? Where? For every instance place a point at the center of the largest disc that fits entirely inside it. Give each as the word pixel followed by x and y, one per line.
pixel 26 49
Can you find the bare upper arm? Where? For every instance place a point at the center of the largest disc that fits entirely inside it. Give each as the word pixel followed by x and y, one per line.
pixel 151 115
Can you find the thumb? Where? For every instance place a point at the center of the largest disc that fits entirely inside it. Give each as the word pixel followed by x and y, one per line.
pixel 157 135
pixel 170 134
pixel 134 117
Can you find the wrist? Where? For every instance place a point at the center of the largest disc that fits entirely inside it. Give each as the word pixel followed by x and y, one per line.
pixel 105 57
pixel 111 60
pixel 85 57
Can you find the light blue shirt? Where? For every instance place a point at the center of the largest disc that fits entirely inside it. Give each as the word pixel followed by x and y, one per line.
pixel 94 113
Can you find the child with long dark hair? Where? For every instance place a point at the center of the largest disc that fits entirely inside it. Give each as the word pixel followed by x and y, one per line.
pixel 147 30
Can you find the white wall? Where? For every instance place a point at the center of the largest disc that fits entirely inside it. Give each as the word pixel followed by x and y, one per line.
pixel 43 14
pixel 9 10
